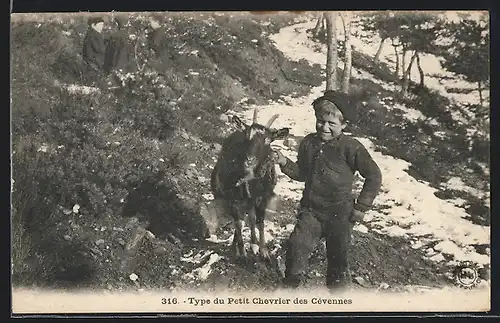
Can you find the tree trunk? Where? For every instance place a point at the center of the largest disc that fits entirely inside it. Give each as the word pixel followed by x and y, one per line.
pixel 480 90
pixel 420 71
pixel 406 75
pixel 379 51
pixel 319 24
pixel 332 53
pixel 348 53
pixel 403 61
pixel 395 46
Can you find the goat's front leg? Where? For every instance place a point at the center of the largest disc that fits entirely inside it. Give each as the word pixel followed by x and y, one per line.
pixel 253 235
pixel 238 244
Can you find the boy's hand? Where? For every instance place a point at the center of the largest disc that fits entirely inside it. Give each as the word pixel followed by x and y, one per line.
pixel 356 216
pixel 279 158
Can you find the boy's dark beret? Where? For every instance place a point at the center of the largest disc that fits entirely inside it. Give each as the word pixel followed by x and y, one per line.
pixel 341 100
pixel 95 20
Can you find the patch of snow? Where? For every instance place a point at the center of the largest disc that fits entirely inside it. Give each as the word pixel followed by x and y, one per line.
pixel 43 148
pixel 80 89
pixel 197 258
pixel 456 183
pixel 208 196
pixel 412 115
pixel 202 273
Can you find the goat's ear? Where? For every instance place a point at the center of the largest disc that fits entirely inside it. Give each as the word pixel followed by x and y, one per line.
pixel 239 123
pixel 280 133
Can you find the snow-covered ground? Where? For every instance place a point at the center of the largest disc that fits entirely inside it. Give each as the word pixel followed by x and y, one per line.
pixel 298 46
pixel 411 209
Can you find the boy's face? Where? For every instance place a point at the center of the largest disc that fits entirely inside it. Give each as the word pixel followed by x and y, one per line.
pixel 328 125
pixel 98 26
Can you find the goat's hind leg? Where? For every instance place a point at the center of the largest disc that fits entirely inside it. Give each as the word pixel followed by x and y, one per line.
pixel 260 216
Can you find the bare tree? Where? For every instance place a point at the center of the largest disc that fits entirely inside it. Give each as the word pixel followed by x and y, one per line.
pixel 420 71
pixel 395 45
pixel 332 53
pixel 403 59
pixel 379 50
pixel 320 24
pixel 346 19
pixel 407 74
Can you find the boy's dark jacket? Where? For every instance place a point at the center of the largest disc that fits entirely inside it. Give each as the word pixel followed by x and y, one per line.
pixel 328 172
pixel 118 51
pixel 94 48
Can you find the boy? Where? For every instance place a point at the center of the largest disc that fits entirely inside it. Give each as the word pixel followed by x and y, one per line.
pixel 93 44
pixel 119 49
pixel 326 162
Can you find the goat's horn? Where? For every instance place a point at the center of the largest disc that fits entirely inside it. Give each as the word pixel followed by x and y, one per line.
pixel 270 122
pixel 255 116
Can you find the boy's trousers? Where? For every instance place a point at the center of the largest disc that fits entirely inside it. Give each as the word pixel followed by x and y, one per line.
pixel 310 228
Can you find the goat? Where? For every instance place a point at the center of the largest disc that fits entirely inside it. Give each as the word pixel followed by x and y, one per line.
pixel 244 178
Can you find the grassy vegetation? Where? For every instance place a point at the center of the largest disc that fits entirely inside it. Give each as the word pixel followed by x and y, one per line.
pixel 124 156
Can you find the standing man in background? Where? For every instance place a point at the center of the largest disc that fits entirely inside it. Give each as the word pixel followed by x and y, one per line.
pixel 119 48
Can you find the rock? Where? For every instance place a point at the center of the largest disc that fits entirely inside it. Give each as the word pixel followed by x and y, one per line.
pixel 383 286
pixel 189 173
pixel 67 237
pixel 216 146
pixel 160 250
pixel 202 179
pixel 150 235
pixel 224 118
pixel 185 135
pixel 137 237
pixel 133 277
pixel 368 217
pixel 438 257
pixel 214 215
pixel 173 239
pixel 132 222
pixel 417 245
pixel 360 281
pixel 99 242
pixel 361 228
pixel 430 252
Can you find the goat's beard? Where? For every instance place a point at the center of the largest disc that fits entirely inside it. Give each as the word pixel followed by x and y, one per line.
pixel 249 175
